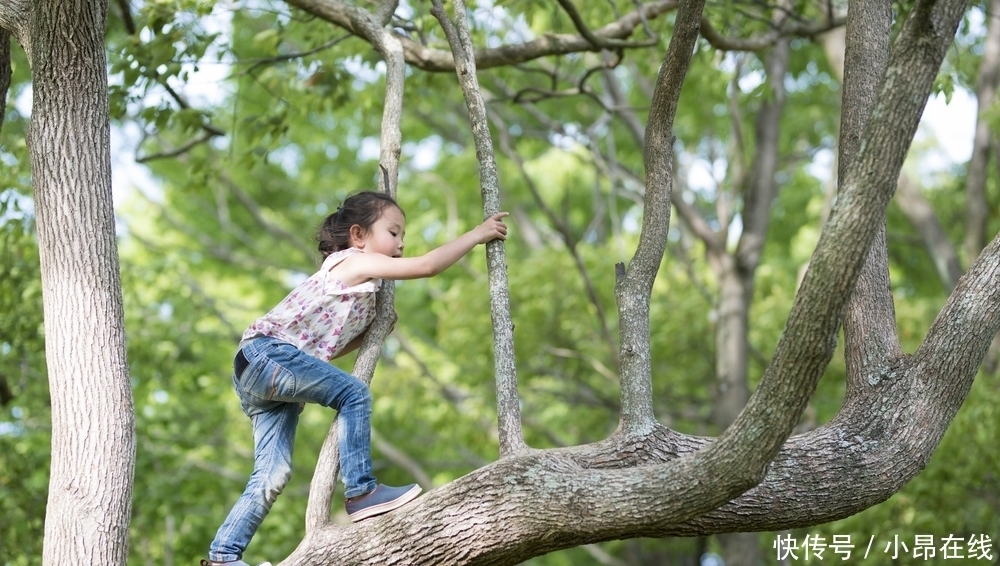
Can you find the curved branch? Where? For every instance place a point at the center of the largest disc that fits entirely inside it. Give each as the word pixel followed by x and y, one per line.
pixel 508 402
pixel 439 60
pixel 14 15
pixel 788 28
pixel 594 40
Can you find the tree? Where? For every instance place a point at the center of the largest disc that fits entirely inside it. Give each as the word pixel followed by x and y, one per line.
pixel 646 479
pixel 93 437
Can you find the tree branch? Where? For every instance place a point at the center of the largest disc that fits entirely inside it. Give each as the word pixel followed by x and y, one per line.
pixel 437 60
pixel 603 43
pixel 179 150
pixel 786 28
pixel 870 333
pixel 328 464
pixel 508 409
pixel 634 289
pixel 14 15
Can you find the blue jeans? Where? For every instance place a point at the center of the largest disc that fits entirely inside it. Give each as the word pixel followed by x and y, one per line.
pixel 277 379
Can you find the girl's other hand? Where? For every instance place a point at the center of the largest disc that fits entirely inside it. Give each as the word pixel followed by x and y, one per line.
pixel 492 229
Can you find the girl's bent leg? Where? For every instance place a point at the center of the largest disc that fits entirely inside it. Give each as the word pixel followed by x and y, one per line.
pixel 354 440
pixel 274 438
pixel 281 373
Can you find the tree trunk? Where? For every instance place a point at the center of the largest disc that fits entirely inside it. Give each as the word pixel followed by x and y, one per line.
pixel 93 429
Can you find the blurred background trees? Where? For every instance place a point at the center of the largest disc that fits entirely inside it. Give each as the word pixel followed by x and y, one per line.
pixel 239 126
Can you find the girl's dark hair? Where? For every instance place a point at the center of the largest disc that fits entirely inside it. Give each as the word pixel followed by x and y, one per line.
pixel 363 208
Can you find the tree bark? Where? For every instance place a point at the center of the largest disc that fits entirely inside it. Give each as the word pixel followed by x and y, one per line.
pixel 93 429
pixel 508 402
pixel 870 334
pixel 5 72
pixel 634 284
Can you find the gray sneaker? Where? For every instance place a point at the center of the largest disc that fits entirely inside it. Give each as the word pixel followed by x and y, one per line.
pixel 380 500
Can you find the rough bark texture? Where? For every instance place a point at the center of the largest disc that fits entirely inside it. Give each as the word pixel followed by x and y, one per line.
pixel 93 431
pixel 5 72
pixel 870 321
pixel 508 402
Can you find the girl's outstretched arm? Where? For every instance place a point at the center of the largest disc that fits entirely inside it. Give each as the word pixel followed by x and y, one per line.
pixel 359 268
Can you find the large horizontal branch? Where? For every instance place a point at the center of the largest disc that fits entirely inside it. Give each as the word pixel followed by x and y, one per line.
pixel 441 60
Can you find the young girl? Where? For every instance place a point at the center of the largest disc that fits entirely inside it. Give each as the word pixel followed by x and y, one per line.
pixel 283 361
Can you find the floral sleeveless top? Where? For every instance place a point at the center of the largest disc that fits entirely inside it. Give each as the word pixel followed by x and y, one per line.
pixel 321 315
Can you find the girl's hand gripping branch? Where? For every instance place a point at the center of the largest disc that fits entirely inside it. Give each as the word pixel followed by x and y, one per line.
pixel 492 228
pixel 382 245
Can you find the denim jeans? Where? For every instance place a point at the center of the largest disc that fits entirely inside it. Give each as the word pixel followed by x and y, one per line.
pixel 278 378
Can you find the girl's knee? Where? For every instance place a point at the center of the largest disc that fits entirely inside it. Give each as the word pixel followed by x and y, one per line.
pixel 275 481
pixel 360 396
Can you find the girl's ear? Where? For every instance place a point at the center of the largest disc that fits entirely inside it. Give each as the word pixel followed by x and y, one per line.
pixel 357 236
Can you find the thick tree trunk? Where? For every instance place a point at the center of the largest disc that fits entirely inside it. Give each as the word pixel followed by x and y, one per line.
pixel 93 430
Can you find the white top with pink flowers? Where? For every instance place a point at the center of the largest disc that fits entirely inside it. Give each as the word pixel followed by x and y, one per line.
pixel 322 315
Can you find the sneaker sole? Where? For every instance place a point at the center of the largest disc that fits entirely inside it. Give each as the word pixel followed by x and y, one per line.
pixel 387 506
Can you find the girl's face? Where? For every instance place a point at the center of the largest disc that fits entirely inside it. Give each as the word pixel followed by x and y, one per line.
pixel 385 236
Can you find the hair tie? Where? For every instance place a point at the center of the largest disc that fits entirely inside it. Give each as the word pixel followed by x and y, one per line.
pixel 340 209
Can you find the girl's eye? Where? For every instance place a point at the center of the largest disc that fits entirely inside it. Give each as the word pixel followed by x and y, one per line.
pixel 393 234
